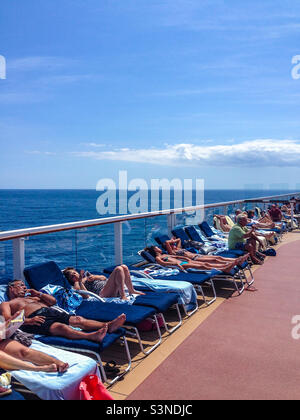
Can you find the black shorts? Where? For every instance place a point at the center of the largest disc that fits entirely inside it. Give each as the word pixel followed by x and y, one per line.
pixel 51 315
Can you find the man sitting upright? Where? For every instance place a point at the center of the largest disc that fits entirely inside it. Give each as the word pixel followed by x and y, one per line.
pixel 242 238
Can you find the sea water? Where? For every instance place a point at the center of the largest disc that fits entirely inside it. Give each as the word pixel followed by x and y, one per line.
pixel 88 248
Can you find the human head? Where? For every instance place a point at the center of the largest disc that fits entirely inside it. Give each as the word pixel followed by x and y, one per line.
pixel 16 289
pixel 251 214
pixel 242 220
pixel 71 274
pixel 153 250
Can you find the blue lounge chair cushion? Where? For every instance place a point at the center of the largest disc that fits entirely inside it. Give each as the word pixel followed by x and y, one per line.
pixel 160 301
pixel 101 311
pixel 206 229
pixel 194 234
pixel 108 340
pixel 181 234
pixel 231 253
pixel 148 257
pixel 14 396
pixel 191 277
pixel 161 239
pixel 40 275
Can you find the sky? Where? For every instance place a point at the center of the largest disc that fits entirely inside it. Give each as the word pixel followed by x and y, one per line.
pixel 195 89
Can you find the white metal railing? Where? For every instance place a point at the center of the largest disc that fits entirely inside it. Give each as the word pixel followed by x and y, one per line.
pixel 18 236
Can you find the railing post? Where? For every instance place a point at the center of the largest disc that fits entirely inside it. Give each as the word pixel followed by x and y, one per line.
pixel 292 213
pixel 18 258
pixel 118 243
pixel 171 223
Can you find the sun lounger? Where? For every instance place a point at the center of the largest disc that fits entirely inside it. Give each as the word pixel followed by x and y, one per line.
pixel 236 276
pixel 40 275
pixel 57 386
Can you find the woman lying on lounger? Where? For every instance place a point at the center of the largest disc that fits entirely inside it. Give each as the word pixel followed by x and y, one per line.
pixel 182 262
pixel 114 286
pixel 16 356
pixel 174 247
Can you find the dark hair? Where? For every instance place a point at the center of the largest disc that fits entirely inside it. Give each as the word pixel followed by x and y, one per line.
pixel 67 273
pixel 12 282
pixel 151 250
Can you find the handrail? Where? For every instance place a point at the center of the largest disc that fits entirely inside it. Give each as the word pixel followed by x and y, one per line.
pixel 20 233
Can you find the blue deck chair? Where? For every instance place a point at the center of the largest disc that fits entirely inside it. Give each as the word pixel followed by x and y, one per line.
pixel 237 275
pixel 13 396
pixel 206 229
pixel 91 348
pixel 40 275
pixel 193 232
pixel 139 275
pixel 163 238
pixel 158 272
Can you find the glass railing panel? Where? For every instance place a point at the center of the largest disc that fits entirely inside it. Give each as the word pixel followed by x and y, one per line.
pixel 6 260
pixel 95 248
pixel 155 227
pixel 59 247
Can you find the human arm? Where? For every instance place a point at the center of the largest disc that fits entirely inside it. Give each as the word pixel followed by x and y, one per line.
pixel 5 310
pixel 43 297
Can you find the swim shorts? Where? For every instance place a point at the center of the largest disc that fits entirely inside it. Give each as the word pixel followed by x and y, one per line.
pixel 51 315
pixel 240 246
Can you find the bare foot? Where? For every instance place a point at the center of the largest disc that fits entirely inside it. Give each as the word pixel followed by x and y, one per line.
pixel 116 323
pixel 136 292
pixel 229 267
pixel 61 366
pixel 257 261
pixel 98 336
pixel 47 368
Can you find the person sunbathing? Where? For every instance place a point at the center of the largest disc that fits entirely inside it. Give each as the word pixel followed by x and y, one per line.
pixel 114 286
pixel 43 318
pixel 224 225
pixel 183 263
pixel 174 247
pixel 16 356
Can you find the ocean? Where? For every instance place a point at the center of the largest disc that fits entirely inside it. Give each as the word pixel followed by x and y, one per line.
pixel 88 248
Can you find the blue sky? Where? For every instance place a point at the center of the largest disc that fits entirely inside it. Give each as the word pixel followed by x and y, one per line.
pixel 160 88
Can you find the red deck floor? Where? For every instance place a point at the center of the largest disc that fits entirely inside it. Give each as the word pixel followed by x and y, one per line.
pixel 244 349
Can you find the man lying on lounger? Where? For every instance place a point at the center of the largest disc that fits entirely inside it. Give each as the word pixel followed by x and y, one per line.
pixel 43 318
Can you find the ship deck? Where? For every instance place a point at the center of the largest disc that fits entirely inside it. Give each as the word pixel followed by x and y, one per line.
pixel 240 347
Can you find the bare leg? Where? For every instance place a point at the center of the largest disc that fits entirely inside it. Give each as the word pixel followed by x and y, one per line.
pixel 128 281
pixel 251 248
pixel 207 266
pixel 15 356
pixel 62 330
pixel 115 285
pixel 91 325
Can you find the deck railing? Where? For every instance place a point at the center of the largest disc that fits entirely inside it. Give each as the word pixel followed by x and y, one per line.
pixel 18 236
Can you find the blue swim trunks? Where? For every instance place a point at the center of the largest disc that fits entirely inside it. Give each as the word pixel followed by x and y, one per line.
pixel 240 246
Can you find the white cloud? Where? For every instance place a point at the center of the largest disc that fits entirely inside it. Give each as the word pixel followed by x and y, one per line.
pixel 40 62
pixel 255 153
pixel 38 152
